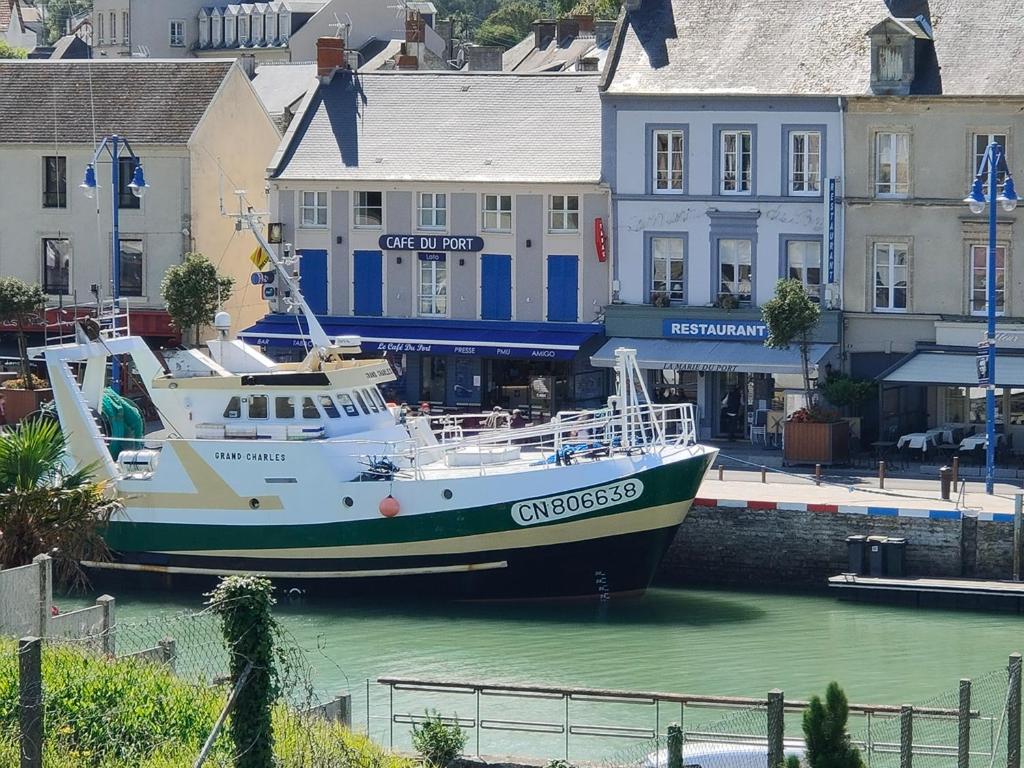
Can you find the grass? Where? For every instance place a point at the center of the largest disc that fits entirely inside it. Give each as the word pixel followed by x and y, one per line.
pixel 128 713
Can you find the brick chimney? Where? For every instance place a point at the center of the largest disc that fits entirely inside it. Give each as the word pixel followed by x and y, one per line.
pixel 330 57
pixel 543 32
pixel 586 24
pixel 603 29
pixel 566 28
pixel 484 58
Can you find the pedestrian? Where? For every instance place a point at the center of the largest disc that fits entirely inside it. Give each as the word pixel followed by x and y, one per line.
pixel 732 404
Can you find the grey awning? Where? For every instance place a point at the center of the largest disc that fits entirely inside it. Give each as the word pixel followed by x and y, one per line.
pixel 958 368
pixel 728 356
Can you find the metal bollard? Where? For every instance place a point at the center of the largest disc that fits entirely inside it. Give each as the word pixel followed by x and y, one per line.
pixel 956 472
pixel 817 474
pixel 881 474
pixel 721 472
pixel 764 475
pixel 945 480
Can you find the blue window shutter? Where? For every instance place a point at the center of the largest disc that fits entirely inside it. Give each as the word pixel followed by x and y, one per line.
pixel 563 284
pixel 313 279
pixel 495 286
pixel 369 284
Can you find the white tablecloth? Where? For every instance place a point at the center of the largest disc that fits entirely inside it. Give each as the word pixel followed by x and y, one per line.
pixel 942 434
pixel 918 440
pixel 978 441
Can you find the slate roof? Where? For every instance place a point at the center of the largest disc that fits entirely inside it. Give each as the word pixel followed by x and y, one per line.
pixel 448 126
pixel 281 85
pixel 149 101
pixel 556 56
pixel 811 47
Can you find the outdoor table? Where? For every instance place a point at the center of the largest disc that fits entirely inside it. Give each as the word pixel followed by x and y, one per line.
pixel 978 441
pixel 944 434
pixel 917 440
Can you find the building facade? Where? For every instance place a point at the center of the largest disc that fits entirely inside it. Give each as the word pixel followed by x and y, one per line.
pixel 462 250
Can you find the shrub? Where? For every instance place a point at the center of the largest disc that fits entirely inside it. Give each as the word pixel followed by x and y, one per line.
pixel 828 743
pixel 437 741
pixel 841 390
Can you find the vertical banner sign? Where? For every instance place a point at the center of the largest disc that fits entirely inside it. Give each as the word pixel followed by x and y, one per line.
pixel 831 230
pixel 984 375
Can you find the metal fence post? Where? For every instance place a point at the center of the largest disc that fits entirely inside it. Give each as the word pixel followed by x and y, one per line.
pixel 45 565
pixel 963 739
pixel 1018 508
pixel 776 727
pixel 106 602
pixel 30 701
pixel 1013 713
pixel 675 746
pixel 168 652
pixel 906 736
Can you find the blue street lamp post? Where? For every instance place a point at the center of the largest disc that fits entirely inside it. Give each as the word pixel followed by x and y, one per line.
pixel 113 146
pixel 993 163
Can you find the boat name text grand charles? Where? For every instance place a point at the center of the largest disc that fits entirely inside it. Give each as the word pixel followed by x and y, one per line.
pixel 247 456
pixel 577 503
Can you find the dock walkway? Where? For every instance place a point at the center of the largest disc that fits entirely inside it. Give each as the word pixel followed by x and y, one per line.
pixel 962 593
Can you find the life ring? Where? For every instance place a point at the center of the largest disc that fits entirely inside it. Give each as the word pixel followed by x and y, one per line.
pixel 389 506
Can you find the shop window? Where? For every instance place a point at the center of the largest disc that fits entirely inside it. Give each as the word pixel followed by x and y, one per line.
pixel 803 263
pixel 369 209
pixel 668 386
pixel 497 213
pixel 433 210
pixel 347 404
pixel 284 407
pixel 890 270
pixel 669 149
pixel 979 279
pixel 1015 406
pixel 433 284
pixel 258 406
pixel 433 378
pixel 234 408
pixel 668 269
pixel 805 163
pixel 737 162
pixel 56 265
pixel 313 209
pixel 735 270
pixel 564 213
pixel 329 407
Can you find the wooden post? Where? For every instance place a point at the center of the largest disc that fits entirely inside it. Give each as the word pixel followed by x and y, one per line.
pixel 168 652
pixel 675 746
pixel 1013 713
pixel 45 565
pixel 776 727
pixel 906 736
pixel 106 602
pixel 817 474
pixel 881 474
pixel 963 740
pixel 956 473
pixel 30 701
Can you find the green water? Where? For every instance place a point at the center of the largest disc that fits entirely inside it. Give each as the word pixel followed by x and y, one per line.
pixel 692 641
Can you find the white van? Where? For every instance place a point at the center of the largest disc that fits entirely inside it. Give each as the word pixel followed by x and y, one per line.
pixel 717 754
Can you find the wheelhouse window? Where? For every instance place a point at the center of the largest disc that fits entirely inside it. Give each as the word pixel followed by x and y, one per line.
pixel 803 263
pixel 369 209
pixel 370 401
pixel 346 403
pixel 284 407
pixel 55 182
pixel 329 407
pixel 234 408
pixel 981 142
pixel 131 268
pixel 56 265
pixel 564 213
pixel 979 279
pixel 890 265
pixel 258 406
pixel 735 271
pixel 362 403
pixel 433 291
pixel 737 159
pixel 126 171
pixel 313 209
pixel 497 213
pixel 433 210
pixel 805 163
pixel 309 409
pixel 668 269
pixel 892 164
pixel 668 159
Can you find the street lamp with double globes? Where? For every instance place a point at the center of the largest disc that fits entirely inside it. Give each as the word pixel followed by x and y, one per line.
pixel 992 164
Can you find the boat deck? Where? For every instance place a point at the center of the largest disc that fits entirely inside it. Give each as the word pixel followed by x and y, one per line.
pixel 931 592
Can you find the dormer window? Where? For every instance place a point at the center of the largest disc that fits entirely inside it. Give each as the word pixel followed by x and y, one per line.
pixel 893 46
pixel 243 30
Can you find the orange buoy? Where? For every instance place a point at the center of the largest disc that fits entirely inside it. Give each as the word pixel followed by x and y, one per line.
pixel 389 506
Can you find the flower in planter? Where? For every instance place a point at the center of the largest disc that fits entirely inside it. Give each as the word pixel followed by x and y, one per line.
pixel 816 414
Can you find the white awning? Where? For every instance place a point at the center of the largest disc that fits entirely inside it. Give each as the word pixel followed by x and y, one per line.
pixel 957 368
pixel 727 356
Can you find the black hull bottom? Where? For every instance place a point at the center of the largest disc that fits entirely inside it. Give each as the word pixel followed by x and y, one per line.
pixel 596 569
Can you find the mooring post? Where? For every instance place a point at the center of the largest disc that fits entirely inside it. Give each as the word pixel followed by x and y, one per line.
pixel 776 727
pixel 881 474
pixel 906 736
pixel 956 473
pixel 1018 509
pixel 675 746
pixel 1013 713
pixel 817 474
pixel 963 738
pixel 764 475
pixel 30 701
pixel 721 472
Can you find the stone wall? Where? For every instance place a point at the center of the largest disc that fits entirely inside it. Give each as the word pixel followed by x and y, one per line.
pixel 780 547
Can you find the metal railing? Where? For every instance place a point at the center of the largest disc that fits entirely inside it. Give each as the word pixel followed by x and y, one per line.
pixel 113 320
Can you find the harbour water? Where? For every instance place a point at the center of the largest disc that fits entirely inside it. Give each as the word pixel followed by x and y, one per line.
pixel 679 640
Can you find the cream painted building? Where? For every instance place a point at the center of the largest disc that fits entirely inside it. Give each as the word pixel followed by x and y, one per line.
pixel 196 126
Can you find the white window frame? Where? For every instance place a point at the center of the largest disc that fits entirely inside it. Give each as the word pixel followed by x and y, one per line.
pixel 44 282
pixel 664 284
pixel 432 296
pixel 113 28
pixel 811 180
pixel 666 183
pixel 496 216
pixel 125 28
pixel 736 264
pixel 744 180
pixel 894 188
pixel 976 156
pixel 244 22
pixel 176 40
pixel 800 267
pixel 99 29
pixel 890 250
pixel 563 213
pixel 982 248
pixel 432 210
pixel 313 210
pixel 361 206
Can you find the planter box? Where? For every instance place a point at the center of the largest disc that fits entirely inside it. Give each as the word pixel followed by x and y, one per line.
pixel 808 443
pixel 19 403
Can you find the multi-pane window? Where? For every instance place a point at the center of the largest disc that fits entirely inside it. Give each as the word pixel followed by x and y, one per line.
pixel 564 213
pixel 56 265
pixel 803 263
pixel 369 209
pixel 433 210
pixel 737 162
pixel 890 269
pixel 99 29
pixel 177 35
pixel 131 267
pixel 735 270
pixel 313 209
pixel 668 269
pixel 433 296
pixel 892 164
pixel 668 161
pixel 981 142
pixel 55 182
pixel 113 28
pixel 979 279
pixel 124 27
pixel 497 213
pixel 126 171
pixel 805 163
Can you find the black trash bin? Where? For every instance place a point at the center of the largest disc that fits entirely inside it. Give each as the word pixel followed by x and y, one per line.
pixel 876 555
pixel 894 556
pixel 855 554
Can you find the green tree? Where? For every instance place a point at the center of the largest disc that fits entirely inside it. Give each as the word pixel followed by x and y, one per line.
pixel 8 51
pixel 510 23
pixel 57 14
pixel 599 9
pixel 193 291
pixel 828 743
pixel 791 317
pixel 20 302
pixel 46 509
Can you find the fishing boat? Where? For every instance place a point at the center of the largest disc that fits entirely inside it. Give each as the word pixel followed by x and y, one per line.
pixel 302 472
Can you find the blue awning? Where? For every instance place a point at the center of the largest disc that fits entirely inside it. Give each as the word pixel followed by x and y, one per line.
pixel 728 356
pixel 479 338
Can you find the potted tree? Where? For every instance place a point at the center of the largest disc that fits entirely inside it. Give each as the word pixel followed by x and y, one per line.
pixel 813 434
pixel 20 304
pixel 193 291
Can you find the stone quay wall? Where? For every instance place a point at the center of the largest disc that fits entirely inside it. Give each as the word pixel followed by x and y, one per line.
pixel 752 543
